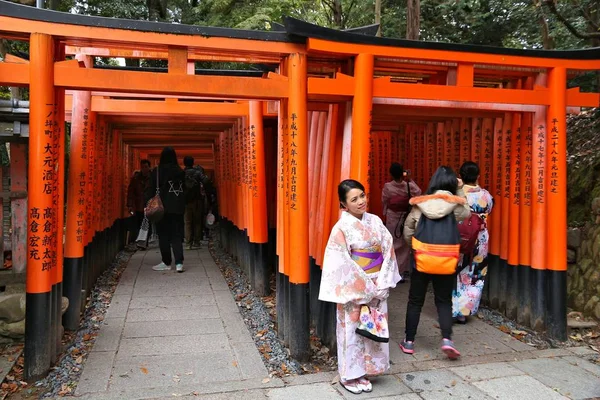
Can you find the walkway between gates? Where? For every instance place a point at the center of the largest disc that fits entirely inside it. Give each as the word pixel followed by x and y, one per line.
pixel 168 335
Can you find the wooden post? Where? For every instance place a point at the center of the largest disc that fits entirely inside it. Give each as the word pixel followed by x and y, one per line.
pixel 18 206
pixel 259 199
pixel 298 207
pixel 362 107
pixel 556 178
pixel 41 248
pixel 59 216
pixel 538 216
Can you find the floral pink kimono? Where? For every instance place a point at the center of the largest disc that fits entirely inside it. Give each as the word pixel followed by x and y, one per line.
pixel 393 220
pixel 359 267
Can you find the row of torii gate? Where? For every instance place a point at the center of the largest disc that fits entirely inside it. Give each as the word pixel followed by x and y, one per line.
pixel 324 105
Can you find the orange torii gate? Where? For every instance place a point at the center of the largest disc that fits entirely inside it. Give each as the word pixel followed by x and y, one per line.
pixel 330 105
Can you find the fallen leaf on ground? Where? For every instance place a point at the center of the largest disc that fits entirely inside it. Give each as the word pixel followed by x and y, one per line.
pixel 504 328
pixel 266 380
pixel 144 370
pixel 234 363
pixel 519 332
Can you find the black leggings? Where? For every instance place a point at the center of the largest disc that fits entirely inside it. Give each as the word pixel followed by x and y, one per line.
pixel 170 235
pixel 443 285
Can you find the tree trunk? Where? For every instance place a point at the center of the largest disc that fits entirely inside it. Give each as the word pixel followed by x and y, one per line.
pixel 378 15
pixel 132 62
pixel 337 14
pixel 413 19
pixel 157 10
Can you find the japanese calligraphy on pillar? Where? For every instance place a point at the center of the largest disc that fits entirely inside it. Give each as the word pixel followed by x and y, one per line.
pixel 440 146
pixel 465 146
pixel 371 161
pixel 456 160
pixel 554 157
pixel 239 153
pixel 430 153
pixel 42 221
pixel 394 148
pixel 89 230
pixel 84 137
pixel 507 145
pixel 34 238
pixel 402 148
pixel 540 146
pixel 487 158
pixel 528 167
pixel 293 162
pixel 254 182
pixel 448 146
pixel 476 143
pixel 281 181
pixel 517 194
pixel 499 186
pixel 387 157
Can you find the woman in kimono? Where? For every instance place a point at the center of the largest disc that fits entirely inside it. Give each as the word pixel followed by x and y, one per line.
pixel 359 268
pixel 395 197
pixel 470 280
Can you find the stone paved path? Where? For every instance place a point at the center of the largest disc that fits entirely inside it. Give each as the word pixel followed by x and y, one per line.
pixel 169 335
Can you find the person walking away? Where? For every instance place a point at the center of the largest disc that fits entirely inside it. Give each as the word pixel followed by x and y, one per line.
pixel 359 268
pixel 194 204
pixel 473 265
pixel 170 228
pixel 395 199
pixel 431 230
pixel 135 197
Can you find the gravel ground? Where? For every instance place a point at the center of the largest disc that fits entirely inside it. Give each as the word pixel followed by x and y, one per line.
pixel 63 378
pixel 259 313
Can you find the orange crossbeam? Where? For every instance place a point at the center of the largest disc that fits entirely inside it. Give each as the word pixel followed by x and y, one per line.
pixel 149 41
pixel 13 74
pixel 151 82
pixel 142 107
pixel 349 49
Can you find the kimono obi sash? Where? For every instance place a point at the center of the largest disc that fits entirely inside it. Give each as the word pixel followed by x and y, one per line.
pixel 369 259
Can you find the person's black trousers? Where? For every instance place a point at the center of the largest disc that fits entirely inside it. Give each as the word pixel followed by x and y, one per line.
pixel 170 235
pixel 443 285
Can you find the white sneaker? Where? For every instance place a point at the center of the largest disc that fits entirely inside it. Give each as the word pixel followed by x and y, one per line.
pixel 179 267
pixel 162 267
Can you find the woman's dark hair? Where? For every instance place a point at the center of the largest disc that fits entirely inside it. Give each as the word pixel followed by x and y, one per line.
pixel 168 156
pixel 347 185
pixel 469 172
pixel 396 170
pixel 444 178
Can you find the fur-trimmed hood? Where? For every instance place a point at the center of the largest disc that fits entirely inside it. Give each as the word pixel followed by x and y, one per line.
pixel 439 204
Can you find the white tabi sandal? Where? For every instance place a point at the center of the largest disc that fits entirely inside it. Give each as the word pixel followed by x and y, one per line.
pixel 365 385
pixel 353 387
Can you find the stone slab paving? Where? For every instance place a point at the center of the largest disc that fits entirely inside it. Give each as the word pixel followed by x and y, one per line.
pixel 165 331
pixel 169 335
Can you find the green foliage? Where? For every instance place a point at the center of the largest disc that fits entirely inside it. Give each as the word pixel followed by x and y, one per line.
pixel 506 23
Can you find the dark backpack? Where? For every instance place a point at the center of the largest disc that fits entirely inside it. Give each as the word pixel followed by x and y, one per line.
pixel 192 185
pixel 469 231
pixel 436 245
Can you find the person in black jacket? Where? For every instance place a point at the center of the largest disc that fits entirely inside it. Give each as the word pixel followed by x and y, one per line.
pixel 170 228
